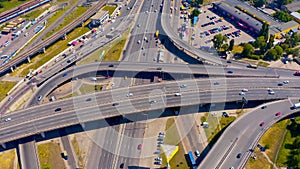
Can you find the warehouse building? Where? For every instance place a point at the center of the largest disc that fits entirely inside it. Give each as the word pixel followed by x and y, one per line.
pixel 250 22
pixel 98 19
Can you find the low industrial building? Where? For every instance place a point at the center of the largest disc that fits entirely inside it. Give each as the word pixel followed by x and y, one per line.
pixel 252 22
pixel 296 16
pixel 98 19
pixel 291 7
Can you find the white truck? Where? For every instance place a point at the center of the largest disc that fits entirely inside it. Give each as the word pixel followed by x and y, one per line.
pixel 296 106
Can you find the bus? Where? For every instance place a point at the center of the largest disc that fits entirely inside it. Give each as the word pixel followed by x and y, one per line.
pixel 192 160
pixel 156 34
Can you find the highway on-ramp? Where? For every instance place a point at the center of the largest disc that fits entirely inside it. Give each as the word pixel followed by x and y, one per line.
pixel 243 135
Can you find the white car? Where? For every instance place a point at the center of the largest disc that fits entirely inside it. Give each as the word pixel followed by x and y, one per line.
pixel 177 94
pixel 245 90
pixel 138 41
pixel 129 94
pixel 152 101
pixel 183 86
pixel 286 82
pixel 271 92
pixel 158 159
pixel 241 93
pixel 8 119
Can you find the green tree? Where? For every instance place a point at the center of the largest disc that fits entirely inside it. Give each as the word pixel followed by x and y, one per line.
pixel 260 43
pixel 271 55
pixel 218 40
pixel 195 12
pixel 231 44
pixel 271 41
pixel 248 50
pixel 225 47
pixel 264 31
pixel 283 16
pixel 289 51
pixel 295 52
pixel 284 46
pixel 259 3
pixel 279 50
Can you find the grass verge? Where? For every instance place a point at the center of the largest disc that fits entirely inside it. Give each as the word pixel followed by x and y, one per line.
pixel 289 154
pixel 7 159
pixel 5 87
pixel 9 4
pixel 109 8
pixel 34 14
pixel 51 51
pixel 173 138
pixel 112 52
pixel 87 88
pixel 261 162
pixel 213 133
pixel 68 19
pixel 78 153
pixel 50 155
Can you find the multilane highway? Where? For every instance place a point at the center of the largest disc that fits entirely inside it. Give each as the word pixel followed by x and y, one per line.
pixel 81 109
pixel 59 34
pixel 173 69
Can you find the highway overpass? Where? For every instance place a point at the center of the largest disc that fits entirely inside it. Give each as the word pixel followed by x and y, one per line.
pixel 81 109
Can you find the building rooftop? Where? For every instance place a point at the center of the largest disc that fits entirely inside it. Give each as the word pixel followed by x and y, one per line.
pixel 99 14
pixel 240 14
pixel 296 15
pixel 283 26
pixel 292 7
pixel 253 10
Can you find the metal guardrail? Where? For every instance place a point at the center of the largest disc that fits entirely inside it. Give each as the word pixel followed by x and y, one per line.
pixel 226 154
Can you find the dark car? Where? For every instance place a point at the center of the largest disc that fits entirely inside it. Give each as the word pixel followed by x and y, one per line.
pixel 58 109
pixel 225 114
pixel 110 65
pixel 88 99
pixel 115 104
pixel 239 155
pixel 263 107
pixel 229 71
pixel 122 165
pixel 228 61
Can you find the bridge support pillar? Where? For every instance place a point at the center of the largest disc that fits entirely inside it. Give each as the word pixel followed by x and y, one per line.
pixel 82 125
pixel 28 59
pixel 82 23
pixel 3 145
pixel 12 68
pixel 44 50
pixel 64 36
pixel 43 134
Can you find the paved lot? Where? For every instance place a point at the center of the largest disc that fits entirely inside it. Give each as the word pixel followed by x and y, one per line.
pixel 206 17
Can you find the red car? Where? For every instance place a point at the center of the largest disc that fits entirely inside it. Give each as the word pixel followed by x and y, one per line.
pixel 262 124
pixel 139 146
pixel 278 114
pixel 107 77
pixel 297 73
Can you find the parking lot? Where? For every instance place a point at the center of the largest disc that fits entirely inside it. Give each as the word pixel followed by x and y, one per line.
pixel 210 24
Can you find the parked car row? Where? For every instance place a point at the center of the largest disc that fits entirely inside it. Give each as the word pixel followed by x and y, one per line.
pixel 233 34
